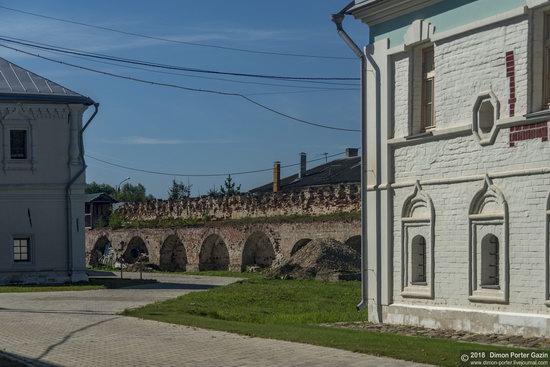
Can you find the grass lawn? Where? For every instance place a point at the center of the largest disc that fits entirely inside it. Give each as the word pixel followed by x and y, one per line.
pixel 291 310
pixel 49 288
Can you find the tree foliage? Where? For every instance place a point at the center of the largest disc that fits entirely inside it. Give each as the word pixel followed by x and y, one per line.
pixel 96 188
pixel 179 191
pixel 230 187
pixel 127 193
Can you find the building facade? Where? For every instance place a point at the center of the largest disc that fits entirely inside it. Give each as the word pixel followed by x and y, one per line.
pixel 41 179
pixel 457 103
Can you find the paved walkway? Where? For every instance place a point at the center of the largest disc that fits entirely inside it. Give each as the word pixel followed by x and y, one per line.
pixel 83 328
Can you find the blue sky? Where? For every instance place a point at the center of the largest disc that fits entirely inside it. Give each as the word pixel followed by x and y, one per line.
pixel 176 131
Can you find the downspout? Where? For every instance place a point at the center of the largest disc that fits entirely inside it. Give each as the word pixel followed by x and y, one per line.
pixel 338 19
pixel 68 191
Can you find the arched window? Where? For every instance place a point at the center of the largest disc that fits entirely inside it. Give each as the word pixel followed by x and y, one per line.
pixel 418 260
pixel 489 269
pixel 417 246
pixel 490 261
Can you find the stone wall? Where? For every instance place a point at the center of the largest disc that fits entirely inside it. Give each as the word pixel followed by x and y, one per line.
pixel 231 246
pixel 313 201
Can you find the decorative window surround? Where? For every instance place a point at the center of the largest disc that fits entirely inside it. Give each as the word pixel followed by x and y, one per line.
pixel 417 219
pixel 18 120
pixel 488 215
pixel 480 132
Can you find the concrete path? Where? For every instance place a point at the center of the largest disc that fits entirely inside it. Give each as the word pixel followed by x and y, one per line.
pixel 83 328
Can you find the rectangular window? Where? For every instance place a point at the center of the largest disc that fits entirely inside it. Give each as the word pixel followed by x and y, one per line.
pixel 546 74
pixel 18 144
pixel 21 247
pixel 428 68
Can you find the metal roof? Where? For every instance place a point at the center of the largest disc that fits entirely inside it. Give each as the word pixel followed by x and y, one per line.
pixel 100 197
pixel 339 171
pixel 19 84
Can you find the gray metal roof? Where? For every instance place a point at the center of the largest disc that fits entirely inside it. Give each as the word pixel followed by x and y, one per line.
pixel 339 171
pixel 18 84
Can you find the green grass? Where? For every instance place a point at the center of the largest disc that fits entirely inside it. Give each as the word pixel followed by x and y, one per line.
pixel 292 310
pixel 49 288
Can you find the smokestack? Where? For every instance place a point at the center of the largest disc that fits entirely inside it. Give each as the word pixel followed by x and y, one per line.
pixel 303 165
pixel 276 176
pixel 352 152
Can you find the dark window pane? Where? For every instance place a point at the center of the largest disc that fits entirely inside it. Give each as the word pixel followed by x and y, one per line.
pixel 428 60
pixel 21 249
pixel 18 144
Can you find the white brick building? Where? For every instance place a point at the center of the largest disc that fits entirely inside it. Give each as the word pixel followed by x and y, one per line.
pixel 41 179
pixel 458 171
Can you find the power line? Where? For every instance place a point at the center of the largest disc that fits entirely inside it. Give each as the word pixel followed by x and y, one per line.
pixel 167 66
pixel 135 34
pixel 142 170
pixel 210 91
pixel 206 77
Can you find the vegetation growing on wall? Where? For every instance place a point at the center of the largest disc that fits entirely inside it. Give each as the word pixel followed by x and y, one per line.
pixel 117 221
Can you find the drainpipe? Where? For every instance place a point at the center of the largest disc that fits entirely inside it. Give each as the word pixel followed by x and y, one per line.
pixel 338 19
pixel 68 192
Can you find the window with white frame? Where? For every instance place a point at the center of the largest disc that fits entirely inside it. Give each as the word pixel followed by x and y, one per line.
pixel 417 231
pixel 21 249
pixel 489 269
pixel 18 144
pixel 428 70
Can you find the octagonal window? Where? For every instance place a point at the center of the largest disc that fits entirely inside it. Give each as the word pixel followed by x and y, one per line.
pixel 486 116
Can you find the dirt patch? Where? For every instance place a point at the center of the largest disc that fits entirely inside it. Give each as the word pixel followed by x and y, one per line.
pixel 320 259
pixel 507 340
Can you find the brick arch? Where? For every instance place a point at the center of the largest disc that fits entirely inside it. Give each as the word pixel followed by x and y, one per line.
pixel 299 244
pixel 134 248
pixel 214 253
pixel 354 242
pixel 258 250
pixel 172 254
pixel 98 251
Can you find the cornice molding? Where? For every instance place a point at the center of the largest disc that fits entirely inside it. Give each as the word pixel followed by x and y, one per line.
pixel 378 12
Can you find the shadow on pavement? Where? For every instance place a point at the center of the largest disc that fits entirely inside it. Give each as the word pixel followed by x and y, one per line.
pixel 182 286
pixel 14 360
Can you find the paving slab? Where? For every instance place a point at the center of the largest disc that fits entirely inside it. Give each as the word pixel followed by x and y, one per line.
pixel 84 328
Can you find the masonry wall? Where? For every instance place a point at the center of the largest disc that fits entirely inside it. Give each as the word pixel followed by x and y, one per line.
pixel 466 66
pixel 313 201
pixel 283 237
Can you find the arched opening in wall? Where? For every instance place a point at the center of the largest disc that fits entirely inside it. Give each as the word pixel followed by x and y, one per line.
pixel 102 249
pixel 172 254
pixel 214 254
pixel 258 251
pixel 490 256
pixel 298 245
pixel 486 116
pixel 418 260
pixel 355 243
pixel 135 248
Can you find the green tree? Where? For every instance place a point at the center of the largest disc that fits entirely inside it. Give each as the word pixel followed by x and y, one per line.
pixel 95 188
pixel 230 187
pixel 132 193
pixel 179 191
